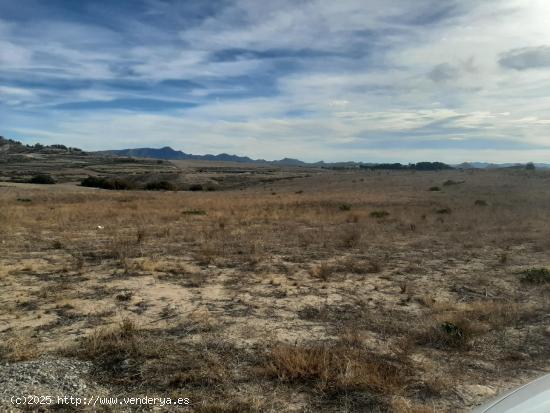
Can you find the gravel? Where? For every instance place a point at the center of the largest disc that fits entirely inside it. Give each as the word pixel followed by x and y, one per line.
pixel 46 377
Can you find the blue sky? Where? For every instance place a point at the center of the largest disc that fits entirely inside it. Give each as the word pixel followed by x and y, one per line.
pixel 365 80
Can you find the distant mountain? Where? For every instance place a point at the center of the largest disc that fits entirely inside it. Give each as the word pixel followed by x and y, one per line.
pixel 10 146
pixel 167 153
pixel 291 161
pixel 487 165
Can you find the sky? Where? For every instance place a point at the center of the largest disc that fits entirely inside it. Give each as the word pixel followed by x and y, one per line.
pixel 359 80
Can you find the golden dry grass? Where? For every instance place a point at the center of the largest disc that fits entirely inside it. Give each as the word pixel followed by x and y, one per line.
pixel 311 297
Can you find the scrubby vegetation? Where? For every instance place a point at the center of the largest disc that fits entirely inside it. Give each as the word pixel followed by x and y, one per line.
pixel 379 214
pixel 160 186
pixel 107 183
pixel 42 179
pixel 536 276
pixel 345 291
pixel 420 166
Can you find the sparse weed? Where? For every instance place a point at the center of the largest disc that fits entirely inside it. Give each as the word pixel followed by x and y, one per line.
pixel 536 276
pixel 379 214
pixel 19 348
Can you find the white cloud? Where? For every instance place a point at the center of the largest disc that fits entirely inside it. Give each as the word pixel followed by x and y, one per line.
pixel 394 69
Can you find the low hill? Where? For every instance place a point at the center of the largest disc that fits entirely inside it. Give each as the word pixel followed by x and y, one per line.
pixel 167 153
pixel 12 146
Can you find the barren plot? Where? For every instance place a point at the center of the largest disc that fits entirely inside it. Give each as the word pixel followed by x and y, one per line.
pixel 338 291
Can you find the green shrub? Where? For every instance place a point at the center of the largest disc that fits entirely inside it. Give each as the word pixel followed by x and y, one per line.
pixel 42 179
pixel 94 182
pixel 480 202
pixel 435 188
pixel 379 214
pixel 448 335
pixel 160 186
pixel 444 211
pixel 106 183
pixel 345 207
pixel 195 187
pixel 194 212
pixel 536 276
pixel 119 184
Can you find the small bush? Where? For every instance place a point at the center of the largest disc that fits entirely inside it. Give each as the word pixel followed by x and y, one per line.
pixel 127 354
pixel 119 184
pixel 536 276
pixel 19 348
pixel 345 207
pixel 444 211
pixel 379 214
pixel 57 245
pixel 160 186
pixel 435 188
pixel 94 182
pixel 351 237
pixel 42 179
pixel 106 183
pixel 196 187
pixel 336 369
pixel 322 271
pixel 480 202
pixel 450 182
pixel 454 335
pixel 194 212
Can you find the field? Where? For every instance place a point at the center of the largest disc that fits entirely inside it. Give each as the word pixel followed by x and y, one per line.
pixel 295 291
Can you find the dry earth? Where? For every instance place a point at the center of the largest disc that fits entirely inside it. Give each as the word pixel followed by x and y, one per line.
pixel 340 291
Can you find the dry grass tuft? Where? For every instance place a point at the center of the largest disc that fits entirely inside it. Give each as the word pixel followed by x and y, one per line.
pixel 335 369
pixel 322 271
pixel 126 354
pixel 455 334
pixel 19 348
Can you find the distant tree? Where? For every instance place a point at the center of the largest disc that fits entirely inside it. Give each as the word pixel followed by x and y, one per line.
pixel 530 166
pixel 430 166
pixel 58 146
pixel 420 166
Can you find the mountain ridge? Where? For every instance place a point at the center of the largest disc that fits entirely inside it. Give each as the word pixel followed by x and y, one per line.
pixel 168 153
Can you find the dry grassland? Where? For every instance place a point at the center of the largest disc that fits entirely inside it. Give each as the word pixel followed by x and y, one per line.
pixel 339 292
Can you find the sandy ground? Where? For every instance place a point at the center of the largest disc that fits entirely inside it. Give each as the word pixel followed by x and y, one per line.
pixel 300 262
